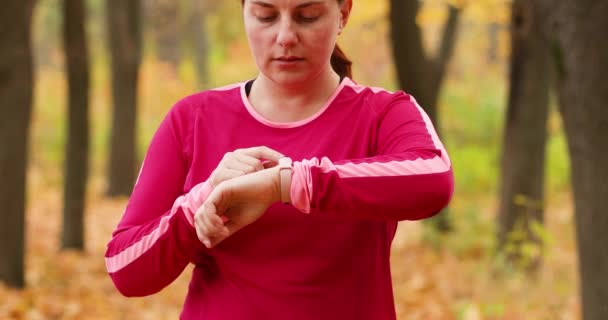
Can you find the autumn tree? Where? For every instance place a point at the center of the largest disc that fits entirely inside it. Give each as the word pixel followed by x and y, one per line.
pixel 162 16
pixel 77 159
pixel 125 51
pixel 16 87
pixel 196 36
pixel 576 31
pixel 419 73
pixel 525 133
pixel 494 29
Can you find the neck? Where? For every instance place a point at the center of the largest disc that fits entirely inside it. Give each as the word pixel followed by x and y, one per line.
pixel 290 103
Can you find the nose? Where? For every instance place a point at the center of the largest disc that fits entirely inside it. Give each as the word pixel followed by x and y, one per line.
pixel 287 36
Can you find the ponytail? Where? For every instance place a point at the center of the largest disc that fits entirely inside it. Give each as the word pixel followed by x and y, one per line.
pixel 340 63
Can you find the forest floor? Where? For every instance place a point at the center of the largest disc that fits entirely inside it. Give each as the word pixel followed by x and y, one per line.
pixel 451 277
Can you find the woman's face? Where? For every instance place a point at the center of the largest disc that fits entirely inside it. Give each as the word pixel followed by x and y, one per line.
pixel 292 40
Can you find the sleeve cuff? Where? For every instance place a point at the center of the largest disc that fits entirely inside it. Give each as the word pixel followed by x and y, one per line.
pixel 301 186
pixel 194 199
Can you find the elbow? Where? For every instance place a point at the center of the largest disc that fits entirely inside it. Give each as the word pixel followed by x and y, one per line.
pixel 131 280
pixel 444 193
pixel 123 287
pixel 123 277
pixel 446 190
pixel 127 287
pixel 126 291
pixel 432 198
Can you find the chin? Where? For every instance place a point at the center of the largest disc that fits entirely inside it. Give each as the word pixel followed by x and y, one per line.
pixel 290 79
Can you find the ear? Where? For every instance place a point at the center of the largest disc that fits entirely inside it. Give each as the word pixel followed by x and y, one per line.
pixel 345 8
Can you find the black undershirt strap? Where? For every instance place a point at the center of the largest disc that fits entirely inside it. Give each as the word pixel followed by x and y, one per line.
pixel 250 83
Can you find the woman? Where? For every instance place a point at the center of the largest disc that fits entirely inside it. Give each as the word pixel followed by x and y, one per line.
pixel 271 238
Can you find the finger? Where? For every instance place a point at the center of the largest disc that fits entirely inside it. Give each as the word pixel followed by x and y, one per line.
pixel 199 234
pixel 224 232
pixel 269 164
pixel 217 202
pixel 230 228
pixel 220 199
pixel 201 231
pixel 216 220
pixel 209 239
pixel 208 225
pixel 263 153
pixel 213 223
pixel 216 231
pixel 243 163
pixel 215 241
pixel 248 161
pixel 219 237
pixel 224 174
pixel 226 156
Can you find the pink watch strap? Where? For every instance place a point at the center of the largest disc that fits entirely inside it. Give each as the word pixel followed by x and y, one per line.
pixel 285 172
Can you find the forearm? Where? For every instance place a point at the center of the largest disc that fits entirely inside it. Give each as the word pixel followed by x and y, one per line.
pixel 410 176
pixel 413 185
pixel 143 259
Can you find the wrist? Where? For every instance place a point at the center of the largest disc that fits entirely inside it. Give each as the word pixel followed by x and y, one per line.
pixel 285 169
pixel 273 175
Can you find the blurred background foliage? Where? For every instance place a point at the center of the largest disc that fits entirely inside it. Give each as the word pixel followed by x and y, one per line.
pixel 437 276
pixel 472 100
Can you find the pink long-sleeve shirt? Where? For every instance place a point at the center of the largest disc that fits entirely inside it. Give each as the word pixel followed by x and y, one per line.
pixel 368 159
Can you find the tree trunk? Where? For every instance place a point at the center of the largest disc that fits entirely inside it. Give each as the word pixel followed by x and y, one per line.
pixel 76 165
pixel 493 41
pixel 197 36
pixel 16 89
pixel 440 63
pixel 525 134
pixel 164 20
pixel 125 47
pixel 577 30
pixel 413 67
pixel 418 74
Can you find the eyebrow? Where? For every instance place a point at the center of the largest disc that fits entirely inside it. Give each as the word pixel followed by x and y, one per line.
pixel 301 5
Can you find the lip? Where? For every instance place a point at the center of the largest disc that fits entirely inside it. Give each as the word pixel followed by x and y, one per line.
pixel 289 59
pixel 288 62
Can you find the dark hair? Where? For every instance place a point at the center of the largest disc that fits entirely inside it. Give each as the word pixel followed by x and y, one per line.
pixel 339 62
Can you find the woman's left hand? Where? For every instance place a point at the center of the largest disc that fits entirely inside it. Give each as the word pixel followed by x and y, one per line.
pixel 235 203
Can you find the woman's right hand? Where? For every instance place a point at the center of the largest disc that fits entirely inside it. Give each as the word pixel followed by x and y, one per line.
pixel 235 204
pixel 243 161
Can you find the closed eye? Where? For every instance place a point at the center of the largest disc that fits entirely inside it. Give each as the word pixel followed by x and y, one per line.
pixel 266 18
pixel 307 19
